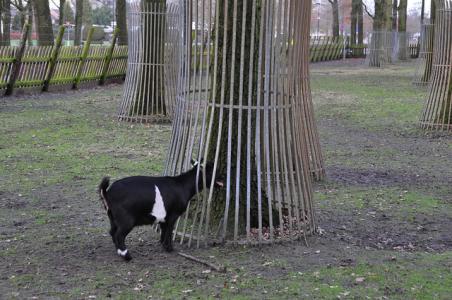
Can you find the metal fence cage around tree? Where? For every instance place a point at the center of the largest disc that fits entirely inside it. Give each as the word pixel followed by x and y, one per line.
pixel 424 62
pixel 437 112
pixel 242 103
pixel 152 63
pixel 381 48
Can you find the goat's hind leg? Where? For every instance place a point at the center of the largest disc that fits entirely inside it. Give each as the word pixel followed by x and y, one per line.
pixel 120 237
pixel 113 228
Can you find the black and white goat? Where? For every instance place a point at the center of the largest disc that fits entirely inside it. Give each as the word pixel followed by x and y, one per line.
pixel 144 200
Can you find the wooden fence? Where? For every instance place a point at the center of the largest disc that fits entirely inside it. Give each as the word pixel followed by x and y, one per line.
pixel 414 49
pixel 326 48
pixel 39 67
pixel 43 66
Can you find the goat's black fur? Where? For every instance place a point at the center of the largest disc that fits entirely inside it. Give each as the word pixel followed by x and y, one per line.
pixel 129 203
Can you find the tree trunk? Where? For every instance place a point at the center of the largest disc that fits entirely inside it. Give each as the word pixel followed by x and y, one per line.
pixel 6 18
pixel 78 22
pixel 354 21
pixel 121 21
pixel 335 7
pixel 43 22
pixel 429 60
pixel 61 12
pixel 1 21
pixel 402 30
pixel 28 17
pixel 224 78
pixel 150 97
pixel 360 23
pixel 437 113
pixel 378 55
pixel 87 18
pixel 388 7
pixel 394 15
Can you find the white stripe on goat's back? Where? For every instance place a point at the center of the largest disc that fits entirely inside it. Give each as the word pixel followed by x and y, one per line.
pixel 158 211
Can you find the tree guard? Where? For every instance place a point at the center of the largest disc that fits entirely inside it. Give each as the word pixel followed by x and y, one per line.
pixel 381 48
pixel 437 112
pixel 242 103
pixel 402 45
pixel 149 89
pixel 424 62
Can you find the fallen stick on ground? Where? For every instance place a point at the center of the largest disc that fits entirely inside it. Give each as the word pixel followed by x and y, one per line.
pixel 220 269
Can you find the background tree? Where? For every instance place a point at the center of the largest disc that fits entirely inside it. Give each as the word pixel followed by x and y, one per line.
pixel 5 22
pixel 402 12
pixel 360 22
pixel 87 18
pixel 78 22
pixel 68 13
pixel 121 21
pixel 61 12
pixel 394 15
pixel 381 23
pixel 335 16
pixel 357 23
pixel 429 61
pixel 43 22
pixel 102 15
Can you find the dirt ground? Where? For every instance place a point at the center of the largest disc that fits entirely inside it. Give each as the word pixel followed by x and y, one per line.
pixel 385 209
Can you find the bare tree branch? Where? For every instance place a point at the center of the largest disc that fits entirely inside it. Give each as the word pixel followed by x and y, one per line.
pixel 57 5
pixel 367 11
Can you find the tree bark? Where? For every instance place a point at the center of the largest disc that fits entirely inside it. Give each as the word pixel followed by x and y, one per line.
pixel 151 82
pixel 335 12
pixel 353 21
pixel 394 15
pixel 377 53
pixel 61 12
pixel 360 23
pixel 389 16
pixel 224 76
pixel 121 21
pixel 78 22
pixel 43 22
pixel 402 9
pixel 1 21
pixel 6 16
pixel 429 60
pixel 437 113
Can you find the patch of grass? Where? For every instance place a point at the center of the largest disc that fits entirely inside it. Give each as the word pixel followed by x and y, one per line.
pixel 378 100
pixel 55 146
pixel 393 201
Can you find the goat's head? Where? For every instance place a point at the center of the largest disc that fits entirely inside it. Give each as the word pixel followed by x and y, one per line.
pixel 208 168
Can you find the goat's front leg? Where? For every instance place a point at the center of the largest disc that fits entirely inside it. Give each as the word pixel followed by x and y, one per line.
pixel 168 235
pixel 163 227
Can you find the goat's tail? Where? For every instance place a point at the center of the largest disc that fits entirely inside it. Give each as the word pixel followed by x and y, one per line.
pixel 103 191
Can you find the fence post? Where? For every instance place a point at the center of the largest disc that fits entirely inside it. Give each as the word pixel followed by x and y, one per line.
pixel 53 58
pixel 83 58
pixel 108 58
pixel 17 61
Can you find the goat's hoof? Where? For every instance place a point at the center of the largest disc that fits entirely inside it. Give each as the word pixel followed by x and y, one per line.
pixel 128 257
pixel 124 254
